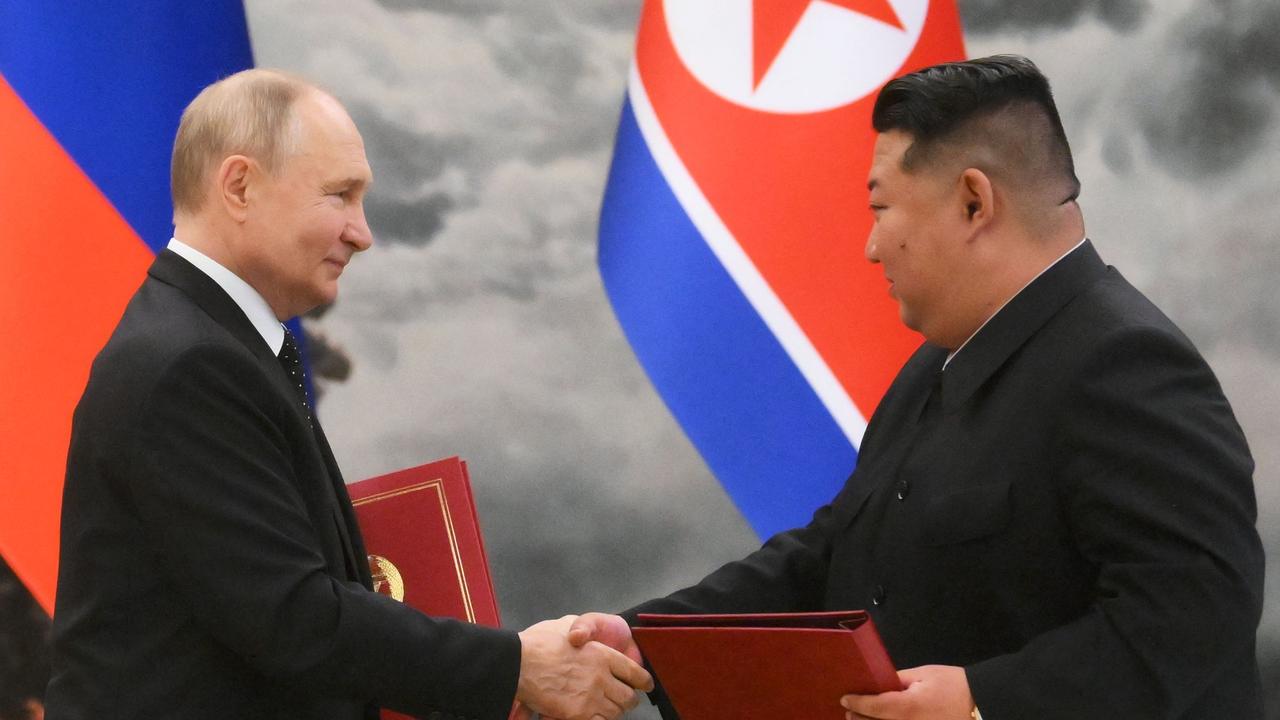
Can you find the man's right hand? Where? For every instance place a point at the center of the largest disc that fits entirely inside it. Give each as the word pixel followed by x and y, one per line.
pixel 575 683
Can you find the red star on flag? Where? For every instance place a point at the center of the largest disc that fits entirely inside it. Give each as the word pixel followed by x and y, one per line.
pixel 773 21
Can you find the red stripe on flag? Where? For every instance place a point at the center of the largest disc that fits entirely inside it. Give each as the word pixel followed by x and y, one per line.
pixel 70 264
pixel 792 190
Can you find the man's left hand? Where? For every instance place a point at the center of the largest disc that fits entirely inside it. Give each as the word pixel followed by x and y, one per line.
pixel 933 692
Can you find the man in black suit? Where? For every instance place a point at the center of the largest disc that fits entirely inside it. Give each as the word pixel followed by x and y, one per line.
pixel 1053 510
pixel 211 566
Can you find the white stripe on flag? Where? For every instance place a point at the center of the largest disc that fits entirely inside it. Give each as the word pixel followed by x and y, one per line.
pixel 743 271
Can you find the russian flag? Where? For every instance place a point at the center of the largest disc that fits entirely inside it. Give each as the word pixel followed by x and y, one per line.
pixel 90 97
pixel 733 226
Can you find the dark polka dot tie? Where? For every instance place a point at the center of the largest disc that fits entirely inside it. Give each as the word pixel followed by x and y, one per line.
pixel 291 360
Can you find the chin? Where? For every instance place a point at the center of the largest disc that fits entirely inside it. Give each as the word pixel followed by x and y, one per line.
pixel 907 318
pixel 327 295
pixel 315 300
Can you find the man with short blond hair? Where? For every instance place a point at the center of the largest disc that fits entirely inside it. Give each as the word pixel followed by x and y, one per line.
pixel 249 113
pixel 211 565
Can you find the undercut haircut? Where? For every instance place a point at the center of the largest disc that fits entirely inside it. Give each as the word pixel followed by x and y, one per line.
pixel 249 113
pixel 996 112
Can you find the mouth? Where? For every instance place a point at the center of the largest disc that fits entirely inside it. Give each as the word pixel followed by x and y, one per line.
pixel 340 264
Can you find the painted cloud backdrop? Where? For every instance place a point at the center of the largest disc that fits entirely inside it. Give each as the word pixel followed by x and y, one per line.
pixel 478 326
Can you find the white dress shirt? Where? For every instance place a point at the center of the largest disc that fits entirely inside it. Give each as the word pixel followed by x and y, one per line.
pixel 253 305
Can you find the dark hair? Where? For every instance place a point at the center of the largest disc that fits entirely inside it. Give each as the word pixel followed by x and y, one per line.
pixel 935 104
pixel 24 648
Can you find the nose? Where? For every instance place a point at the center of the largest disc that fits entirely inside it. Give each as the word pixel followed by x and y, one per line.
pixel 357 233
pixel 871 250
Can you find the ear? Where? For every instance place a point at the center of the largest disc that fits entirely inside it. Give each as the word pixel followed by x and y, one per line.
pixel 235 175
pixel 977 198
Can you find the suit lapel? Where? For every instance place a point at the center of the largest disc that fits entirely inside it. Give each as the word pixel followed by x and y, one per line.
pixel 1025 314
pixel 344 515
pixel 172 269
pixel 881 456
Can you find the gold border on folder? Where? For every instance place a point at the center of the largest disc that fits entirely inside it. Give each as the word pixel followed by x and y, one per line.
pixel 438 486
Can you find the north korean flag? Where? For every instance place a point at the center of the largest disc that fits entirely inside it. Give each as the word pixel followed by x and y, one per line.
pixel 733 227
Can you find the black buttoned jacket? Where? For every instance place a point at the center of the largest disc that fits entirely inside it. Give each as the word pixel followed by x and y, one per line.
pixel 211 566
pixel 1073 523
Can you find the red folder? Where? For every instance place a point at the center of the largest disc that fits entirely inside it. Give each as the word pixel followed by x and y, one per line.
pixel 424 544
pixel 784 666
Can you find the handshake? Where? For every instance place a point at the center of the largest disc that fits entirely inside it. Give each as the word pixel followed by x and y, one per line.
pixel 579 668
pixel 587 667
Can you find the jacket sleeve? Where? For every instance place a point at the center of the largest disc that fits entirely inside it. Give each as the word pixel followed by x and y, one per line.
pixel 787 574
pixel 213 481
pixel 1156 480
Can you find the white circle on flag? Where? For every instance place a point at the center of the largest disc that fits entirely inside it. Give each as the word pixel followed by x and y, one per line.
pixel 833 56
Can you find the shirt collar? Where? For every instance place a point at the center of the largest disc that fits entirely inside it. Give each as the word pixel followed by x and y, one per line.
pixel 251 303
pixel 1006 302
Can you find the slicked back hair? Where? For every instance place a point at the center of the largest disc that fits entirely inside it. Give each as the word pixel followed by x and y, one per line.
pixel 1000 104
pixel 249 113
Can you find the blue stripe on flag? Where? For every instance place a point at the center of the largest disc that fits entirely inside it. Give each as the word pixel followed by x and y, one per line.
pixel 757 422
pixel 109 79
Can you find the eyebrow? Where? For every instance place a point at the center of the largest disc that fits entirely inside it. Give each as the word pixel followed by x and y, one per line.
pixel 348 182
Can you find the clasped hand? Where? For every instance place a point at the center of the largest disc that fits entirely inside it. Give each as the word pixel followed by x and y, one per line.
pixel 581 681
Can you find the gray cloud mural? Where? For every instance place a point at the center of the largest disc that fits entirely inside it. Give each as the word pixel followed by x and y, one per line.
pixel 1222 92
pixel 998 16
pixel 477 324
pixel 403 158
pixel 414 222
pixel 612 14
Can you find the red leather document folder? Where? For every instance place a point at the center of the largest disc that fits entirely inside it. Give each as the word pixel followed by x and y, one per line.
pixel 785 666
pixel 424 544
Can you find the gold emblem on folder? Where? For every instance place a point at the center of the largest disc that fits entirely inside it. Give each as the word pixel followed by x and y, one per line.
pixel 386 578
pixel 388 586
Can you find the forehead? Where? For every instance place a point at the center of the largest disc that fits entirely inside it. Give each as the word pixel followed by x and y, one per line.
pixel 886 160
pixel 328 136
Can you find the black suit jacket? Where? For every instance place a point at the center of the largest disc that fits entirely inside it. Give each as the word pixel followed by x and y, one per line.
pixel 211 566
pixel 1072 521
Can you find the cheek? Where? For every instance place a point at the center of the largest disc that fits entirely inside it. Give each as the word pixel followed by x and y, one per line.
pixel 321 230
pixel 900 231
pixel 895 244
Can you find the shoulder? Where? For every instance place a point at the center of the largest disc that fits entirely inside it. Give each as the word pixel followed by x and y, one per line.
pixel 1108 326
pixel 162 324
pixel 1111 310
pixel 163 341
pixel 1129 367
